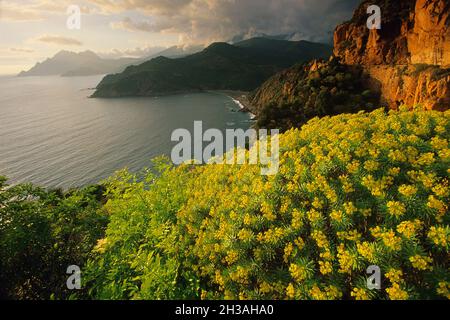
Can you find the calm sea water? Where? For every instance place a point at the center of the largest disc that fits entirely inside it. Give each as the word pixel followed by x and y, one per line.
pixel 53 135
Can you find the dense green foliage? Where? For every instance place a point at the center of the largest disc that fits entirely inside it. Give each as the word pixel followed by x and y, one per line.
pixel 242 66
pixel 296 95
pixel 41 234
pixel 352 191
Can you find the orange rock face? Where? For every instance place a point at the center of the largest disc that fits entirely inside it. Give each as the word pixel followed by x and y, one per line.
pixel 408 85
pixel 413 32
pixel 429 38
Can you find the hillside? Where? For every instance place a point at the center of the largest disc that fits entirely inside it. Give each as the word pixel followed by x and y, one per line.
pixel 352 191
pixel 293 96
pixel 66 63
pixel 406 62
pixel 351 188
pixel 221 66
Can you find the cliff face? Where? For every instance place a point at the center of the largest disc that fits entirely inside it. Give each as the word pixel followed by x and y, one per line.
pixel 408 60
pixel 429 38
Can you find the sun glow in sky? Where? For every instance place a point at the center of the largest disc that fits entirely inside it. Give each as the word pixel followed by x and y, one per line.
pixel 33 30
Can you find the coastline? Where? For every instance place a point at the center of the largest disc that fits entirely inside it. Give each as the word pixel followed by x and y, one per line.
pixel 241 99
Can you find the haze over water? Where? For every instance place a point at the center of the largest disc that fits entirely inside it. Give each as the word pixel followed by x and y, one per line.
pixel 51 134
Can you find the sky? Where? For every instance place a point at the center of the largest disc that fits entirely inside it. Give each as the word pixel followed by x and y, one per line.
pixel 33 30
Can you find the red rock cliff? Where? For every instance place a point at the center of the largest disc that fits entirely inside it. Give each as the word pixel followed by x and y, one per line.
pixel 408 59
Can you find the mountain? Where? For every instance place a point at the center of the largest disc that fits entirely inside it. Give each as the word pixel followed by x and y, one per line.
pixel 288 51
pixel 221 66
pixel 405 63
pixel 177 52
pixel 66 63
pixel 287 36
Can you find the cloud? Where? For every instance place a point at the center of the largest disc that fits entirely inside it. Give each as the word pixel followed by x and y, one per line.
pixel 218 20
pixel 21 50
pixel 131 25
pixel 133 53
pixel 16 12
pixel 36 10
pixel 159 7
pixel 58 40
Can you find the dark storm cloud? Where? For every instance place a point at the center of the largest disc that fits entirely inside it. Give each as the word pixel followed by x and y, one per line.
pixel 218 20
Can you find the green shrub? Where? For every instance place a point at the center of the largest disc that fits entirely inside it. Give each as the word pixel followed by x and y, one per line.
pixel 41 234
pixel 352 191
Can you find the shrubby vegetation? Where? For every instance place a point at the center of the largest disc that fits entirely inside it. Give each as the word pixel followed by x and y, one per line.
pixel 316 89
pixel 41 234
pixel 352 191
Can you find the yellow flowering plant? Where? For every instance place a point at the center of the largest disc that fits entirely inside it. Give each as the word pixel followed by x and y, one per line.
pixel 352 191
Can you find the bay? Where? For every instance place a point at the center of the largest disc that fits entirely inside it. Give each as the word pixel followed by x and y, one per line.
pixel 53 135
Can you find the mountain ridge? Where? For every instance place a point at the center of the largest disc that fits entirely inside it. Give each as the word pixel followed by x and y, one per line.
pixel 68 63
pixel 221 66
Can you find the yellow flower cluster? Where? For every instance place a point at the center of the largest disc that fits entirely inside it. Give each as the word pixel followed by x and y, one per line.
pixel 395 276
pixel 397 293
pixel 367 250
pixel 409 229
pixel 377 186
pixel 440 236
pixel 346 259
pixel 329 293
pixel 444 289
pixel 396 208
pixel 232 257
pixel 437 205
pixel 388 238
pixel 421 263
pixel 360 294
pixel 298 273
pixel 271 235
pixel 407 190
pixel 290 291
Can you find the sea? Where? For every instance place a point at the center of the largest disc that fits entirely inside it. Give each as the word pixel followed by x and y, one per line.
pixel 54 135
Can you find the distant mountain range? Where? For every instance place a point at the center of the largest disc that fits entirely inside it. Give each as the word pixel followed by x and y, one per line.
pixel 68 64
pixel 293 36
pixel 242 66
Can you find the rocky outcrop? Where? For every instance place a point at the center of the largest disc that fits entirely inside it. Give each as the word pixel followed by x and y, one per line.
pixel 408 59
pixel 319 88
pixel 286 86
pixel 410 85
